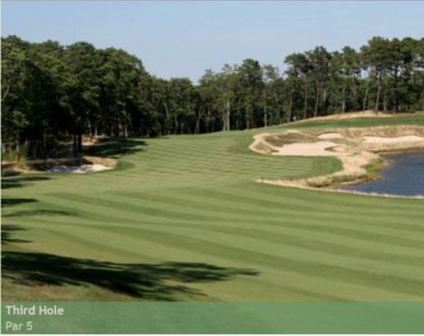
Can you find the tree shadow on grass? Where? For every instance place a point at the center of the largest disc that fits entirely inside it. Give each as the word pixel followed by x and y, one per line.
pixel 156 282
pixel 16 181
pixel 115 147
pixel 9 202
pixel 39 212
pixel 8 173
pixel 7 230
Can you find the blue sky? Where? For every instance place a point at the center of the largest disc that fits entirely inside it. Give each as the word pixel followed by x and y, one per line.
pixel 183 38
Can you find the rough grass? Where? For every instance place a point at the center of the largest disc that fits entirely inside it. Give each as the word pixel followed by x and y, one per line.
pixel 182 218
pixel 401 119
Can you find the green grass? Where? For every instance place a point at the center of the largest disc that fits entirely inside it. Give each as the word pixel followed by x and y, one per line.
pixel 182 218
pixel 402 119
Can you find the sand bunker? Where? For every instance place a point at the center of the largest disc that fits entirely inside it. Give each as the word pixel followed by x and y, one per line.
pixel 90 164
pixel 326 136
pixel 82 169
pixel 307 149
pixel 396 140
pixel 356 148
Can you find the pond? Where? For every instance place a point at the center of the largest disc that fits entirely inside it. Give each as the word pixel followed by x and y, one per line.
pixel 403 176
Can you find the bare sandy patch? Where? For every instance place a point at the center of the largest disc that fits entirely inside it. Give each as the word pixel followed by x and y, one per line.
pixel 321 148
pixel 92 164
pixel 392 144
pixel 82 169
pixel 72 165
pixel 329 136
pixel 380 140
pixel 104 161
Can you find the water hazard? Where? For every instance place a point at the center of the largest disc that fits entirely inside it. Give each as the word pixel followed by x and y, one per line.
pixel 403 176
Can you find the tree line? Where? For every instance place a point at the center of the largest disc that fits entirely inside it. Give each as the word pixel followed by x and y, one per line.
pixel 51 93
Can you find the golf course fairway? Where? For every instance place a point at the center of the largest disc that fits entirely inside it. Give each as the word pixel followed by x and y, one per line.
pixel 182 218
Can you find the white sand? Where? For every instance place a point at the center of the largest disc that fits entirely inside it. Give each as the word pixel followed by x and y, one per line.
pixel 319 148
pixel 85 168
pixel 326 136
pixel 396 140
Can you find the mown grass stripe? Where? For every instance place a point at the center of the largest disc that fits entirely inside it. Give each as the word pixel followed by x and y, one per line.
pixel 373 237
pixel 209 203
pixel 319 247
pixel 329 287
pixel 366 278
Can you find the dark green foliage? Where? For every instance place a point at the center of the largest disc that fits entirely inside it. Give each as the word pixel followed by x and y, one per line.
pixel 53 93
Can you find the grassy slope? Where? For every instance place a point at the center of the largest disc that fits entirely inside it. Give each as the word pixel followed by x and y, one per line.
pixel 183 219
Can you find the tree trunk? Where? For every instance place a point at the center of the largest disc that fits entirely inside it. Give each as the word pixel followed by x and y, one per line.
pixel 197 126
pixel 396 76
pixel 316 102
pixel 377 99
pixel 290 107
pixel 353 96
pixel 226 116
pixel 118 129
pixel 209 119
pixel 305 103
pixel 79 142
pixel 279 106
pixel 324 101
pixel 18 152
pixel 384 101
pixel 75 143
pixel 247 119
pixel 166 110
pixel 365 101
